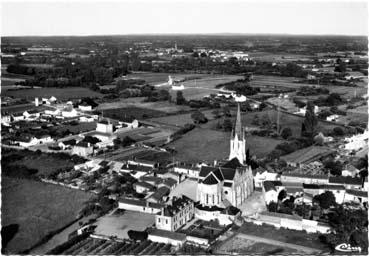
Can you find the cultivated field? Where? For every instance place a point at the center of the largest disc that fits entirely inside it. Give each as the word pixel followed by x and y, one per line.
pixel 242 245
pixel 38 209
pixel 159 78
pixel 59 93
pixel 137 113
pixel 288 82
pixel 181 119
pixel 93 246
pixel 163 106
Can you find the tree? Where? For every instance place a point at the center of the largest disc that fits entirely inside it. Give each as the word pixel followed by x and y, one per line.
pixel 310 122
pixel 334 167
pixel 325 200
pixel 137 235
pixel 127 141
pixel 286 133
pixel 282 195
pixel 272 207
pixel 180 99
pixel 216 113
pixel 303 210
pixel 227 125
pixel 255 120
pixel 338 131
pixel 198 117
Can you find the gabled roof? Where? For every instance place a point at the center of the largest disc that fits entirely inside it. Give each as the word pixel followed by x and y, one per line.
pixel 210 180
pixel 345 180
pixel 168 234
pixel 233 163
pixel 220 172
pixel 71 142
pixel 357 193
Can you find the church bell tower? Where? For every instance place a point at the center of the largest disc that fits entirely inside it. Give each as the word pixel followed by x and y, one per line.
pixel 238 140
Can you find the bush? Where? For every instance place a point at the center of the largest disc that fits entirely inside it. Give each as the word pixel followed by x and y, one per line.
pixel 338 131
pixel 137 235
pixel 286 133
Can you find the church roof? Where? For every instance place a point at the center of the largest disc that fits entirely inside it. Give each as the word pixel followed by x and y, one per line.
pixel 233 163
pixel 220 172
pixel 210 180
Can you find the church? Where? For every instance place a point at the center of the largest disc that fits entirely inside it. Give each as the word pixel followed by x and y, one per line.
pixel 227 185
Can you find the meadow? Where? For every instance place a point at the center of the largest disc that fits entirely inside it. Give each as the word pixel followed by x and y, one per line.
pixel 60 93
pixel 38 208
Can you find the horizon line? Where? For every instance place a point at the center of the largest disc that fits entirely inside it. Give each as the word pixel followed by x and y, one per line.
pixel 190 34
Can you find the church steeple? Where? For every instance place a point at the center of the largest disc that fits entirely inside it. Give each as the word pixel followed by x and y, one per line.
pixel 238 126
pixel 238 141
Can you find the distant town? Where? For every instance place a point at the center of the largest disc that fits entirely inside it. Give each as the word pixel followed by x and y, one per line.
pixel 207 144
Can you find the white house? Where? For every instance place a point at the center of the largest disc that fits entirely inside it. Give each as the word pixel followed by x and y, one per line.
pixel 5 118
pixel 69 112
pixel 262 175
pixel 104 126
pixel 83 149
pixel 137 205
pixel 270 192
pixel 86 119
pixel 167 237
pixel 84 107
pixel 52 112
pixel 188 170
pixel 358 141
pixel 332 118
pixel 17 117
pixel 175 214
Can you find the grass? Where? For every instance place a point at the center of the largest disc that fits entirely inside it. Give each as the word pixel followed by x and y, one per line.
pixel 283 235
pixel 44 163
pixel 59 93
pixel 287 82
pixel 181 119
pixel 245 246
pixel 137 113
pixel 38 208
pixel 203 144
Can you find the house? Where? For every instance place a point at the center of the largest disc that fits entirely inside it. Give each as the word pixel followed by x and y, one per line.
pixel 137 205
pixel 136 171
pixel 169 183
pixel 5 118
pixel 270 192
pixel 158 195
pixel 167 237
pixel 357 196
pixel 143 162
pixel 83 148
pixel 350 170
pixel 84 107
pixel 154 181
pixel 104 126
pixel 129 122
pixel 30 140
pixel 307 155
pixel 67 144
pixel 86 119
pixel 332 118
pixel 175 214
pixel 31 114
pixel 52 112
pixel 69 112
pixel 143 187
pixel 304 178
pixel 358 141
pixel 187 169
pixel 261 175
pixel 315 189
pixel 17 117
pixel 102 136
pixel 348 182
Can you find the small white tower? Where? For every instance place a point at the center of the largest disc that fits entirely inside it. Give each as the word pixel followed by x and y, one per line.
pixel 36 102
pixel 170 80
pixel 238 140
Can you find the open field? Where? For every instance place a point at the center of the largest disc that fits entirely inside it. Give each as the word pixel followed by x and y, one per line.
pixel 163 106
pixel 199 88
pixel 38 209
pixel 208 145
pixel 137 113
pixel 44 163
pixel 23 107
pixel 242 245
pixel 158 78
pixel 278 57
pixel 287 82
pixel 181 119
pixel 119 224
pixel 59 93
pixel 283 235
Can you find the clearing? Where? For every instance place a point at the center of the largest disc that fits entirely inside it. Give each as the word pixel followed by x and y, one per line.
pixel 38 208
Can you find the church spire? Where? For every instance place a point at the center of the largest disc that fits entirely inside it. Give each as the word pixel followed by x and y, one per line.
pixel 238 126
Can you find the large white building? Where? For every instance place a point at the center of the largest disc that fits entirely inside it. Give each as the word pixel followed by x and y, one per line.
pixel 223 188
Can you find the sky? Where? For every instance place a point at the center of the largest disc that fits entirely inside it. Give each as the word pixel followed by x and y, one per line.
pixel 20 18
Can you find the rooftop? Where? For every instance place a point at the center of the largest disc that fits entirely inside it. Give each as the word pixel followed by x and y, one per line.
pixel 168 234
pixel 345 180
pixel 176 205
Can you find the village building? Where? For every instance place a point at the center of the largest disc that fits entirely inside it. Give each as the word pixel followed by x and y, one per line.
pixel 84 107
pixel 83 148
pixel 307 155
pixel 104 126
pixel 138 205
pixel 176 213
pixel 167 237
